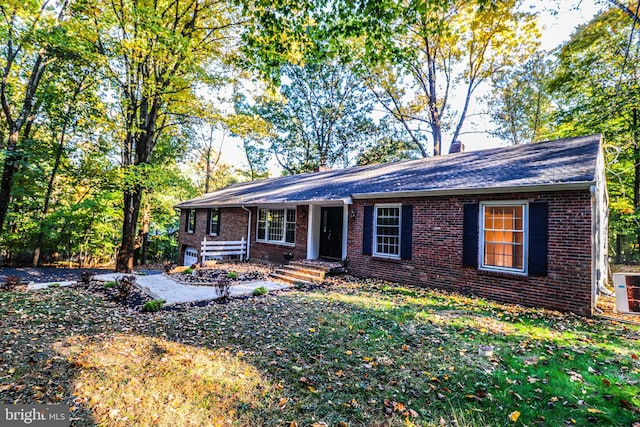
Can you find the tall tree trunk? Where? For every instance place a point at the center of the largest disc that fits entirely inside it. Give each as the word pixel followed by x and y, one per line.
pixel 8 171
pixel 132 201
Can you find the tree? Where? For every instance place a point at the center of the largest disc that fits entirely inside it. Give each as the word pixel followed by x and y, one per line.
pixel 521 103
pixel 412 55
pixel 321 120
pixel 33 38
pixel 596 89
pixel 153 54
pixel 440 48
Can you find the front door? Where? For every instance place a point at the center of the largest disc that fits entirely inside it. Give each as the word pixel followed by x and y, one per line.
pixel 331 232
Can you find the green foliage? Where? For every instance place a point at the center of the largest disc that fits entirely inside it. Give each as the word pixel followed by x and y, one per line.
pixel 110 285
pixel 321 118
pixel 232 275
pixel 257 292
pixel 153 306
pixel 594 94
pixel 188 270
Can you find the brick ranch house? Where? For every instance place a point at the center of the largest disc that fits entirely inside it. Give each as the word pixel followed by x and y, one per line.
pixel 522 224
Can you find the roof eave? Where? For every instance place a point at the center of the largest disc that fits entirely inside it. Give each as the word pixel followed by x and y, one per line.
pixel 580 185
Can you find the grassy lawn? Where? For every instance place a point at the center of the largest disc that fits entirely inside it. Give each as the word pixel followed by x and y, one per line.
pixel 347 354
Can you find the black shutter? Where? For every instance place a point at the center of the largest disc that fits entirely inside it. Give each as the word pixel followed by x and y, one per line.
pixel 195 220
pixel 209 213
pixel 219 213
pixel 407 229
pixel 186 220
pixel 538 236
pixel 470 235
pixel 367 230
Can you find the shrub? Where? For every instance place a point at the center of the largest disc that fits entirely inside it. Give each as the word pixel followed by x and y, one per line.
pixel 188 270
pixel 54 285
pixel 153 306
pixel 260 291
pixel 110 285
pixel 223 289
pixel 11 283
pixel 124 285
pixel 232 275
pixel 168 266
pixel 86 277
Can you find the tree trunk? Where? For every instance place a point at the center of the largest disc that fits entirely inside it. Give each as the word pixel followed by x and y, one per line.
pixel 47 200
pixel 132 199
pixel 146 219
pixel 8 171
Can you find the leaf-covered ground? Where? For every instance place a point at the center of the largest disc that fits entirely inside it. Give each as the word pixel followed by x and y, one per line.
pixel 348 353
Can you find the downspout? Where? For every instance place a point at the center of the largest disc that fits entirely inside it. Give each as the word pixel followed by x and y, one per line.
pixel 596 248
pixel 248 234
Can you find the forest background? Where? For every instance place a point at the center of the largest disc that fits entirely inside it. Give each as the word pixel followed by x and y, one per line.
pixel 112 113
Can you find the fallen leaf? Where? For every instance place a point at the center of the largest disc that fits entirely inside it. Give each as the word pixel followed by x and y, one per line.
pixel 594 411
pixel 514 416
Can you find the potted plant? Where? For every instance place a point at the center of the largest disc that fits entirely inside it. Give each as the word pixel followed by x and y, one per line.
pixel 288 256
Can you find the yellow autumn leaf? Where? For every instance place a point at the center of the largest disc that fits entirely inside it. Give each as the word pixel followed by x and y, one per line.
pixel 312 330
pixel 594 411
pixel 514 416
pixel 348 352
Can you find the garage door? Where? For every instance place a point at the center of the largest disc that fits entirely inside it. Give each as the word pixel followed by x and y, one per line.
pixel 190 256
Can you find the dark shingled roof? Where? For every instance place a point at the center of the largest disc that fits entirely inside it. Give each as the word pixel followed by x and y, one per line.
pixel 553 164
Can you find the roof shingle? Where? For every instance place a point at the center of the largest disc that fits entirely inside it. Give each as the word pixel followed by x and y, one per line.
pixel 560 162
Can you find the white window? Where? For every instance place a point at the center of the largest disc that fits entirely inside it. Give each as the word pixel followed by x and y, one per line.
pixel 387 228
pixel 191 220
pixel 277 226
pixel 503 237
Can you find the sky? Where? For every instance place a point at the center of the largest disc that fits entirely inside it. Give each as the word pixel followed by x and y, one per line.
pixel 557 28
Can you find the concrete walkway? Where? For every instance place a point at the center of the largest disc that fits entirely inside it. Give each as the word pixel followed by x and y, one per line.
pixel 162 287
pixel 159 286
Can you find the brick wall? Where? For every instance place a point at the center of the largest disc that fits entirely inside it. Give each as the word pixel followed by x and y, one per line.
pixel 437 252
pixel 233 226
pixel 275 253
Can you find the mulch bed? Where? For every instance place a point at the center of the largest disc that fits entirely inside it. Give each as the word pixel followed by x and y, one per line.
pixel 235 272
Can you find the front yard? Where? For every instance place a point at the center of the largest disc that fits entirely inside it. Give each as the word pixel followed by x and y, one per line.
pixel 349 353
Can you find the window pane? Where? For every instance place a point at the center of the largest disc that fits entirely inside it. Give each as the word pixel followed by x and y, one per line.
pixel 504 236
pixel 388 231
pixel 276 224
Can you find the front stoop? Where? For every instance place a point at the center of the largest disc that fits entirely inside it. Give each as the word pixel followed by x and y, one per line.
pixel 306 272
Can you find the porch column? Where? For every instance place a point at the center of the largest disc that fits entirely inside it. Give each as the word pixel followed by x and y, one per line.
pixel 313 232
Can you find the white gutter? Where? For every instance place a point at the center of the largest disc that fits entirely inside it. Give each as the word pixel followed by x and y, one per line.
pixel 248 234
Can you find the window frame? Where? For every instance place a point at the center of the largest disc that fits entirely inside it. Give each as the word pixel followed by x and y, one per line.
pixel 525 238
pixel 191 221
pixel 285 223
pixel 213 212
pixel 374 249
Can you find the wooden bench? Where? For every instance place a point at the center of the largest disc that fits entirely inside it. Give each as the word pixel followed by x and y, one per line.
pixel 215 249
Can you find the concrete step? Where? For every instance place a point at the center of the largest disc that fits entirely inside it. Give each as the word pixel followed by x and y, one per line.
pixel 289 279
pixel 305 266
pixel 295 269
pixel 297 275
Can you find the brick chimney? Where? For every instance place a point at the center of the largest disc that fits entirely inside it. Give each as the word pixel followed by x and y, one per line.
pixel 456 147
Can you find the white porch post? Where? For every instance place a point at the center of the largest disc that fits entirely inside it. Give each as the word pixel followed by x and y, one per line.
pixel 313 232
pixel 345 229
